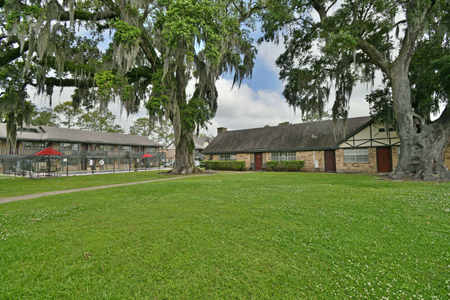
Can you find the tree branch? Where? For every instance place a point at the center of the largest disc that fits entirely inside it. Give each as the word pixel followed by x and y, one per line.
pixel 375 56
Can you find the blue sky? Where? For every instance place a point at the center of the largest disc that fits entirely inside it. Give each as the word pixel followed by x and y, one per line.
pixel 256 103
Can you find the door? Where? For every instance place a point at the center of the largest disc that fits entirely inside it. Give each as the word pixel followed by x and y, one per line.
pixel 84 163
pixel 330 161
pixel 384 160
pixel 258 161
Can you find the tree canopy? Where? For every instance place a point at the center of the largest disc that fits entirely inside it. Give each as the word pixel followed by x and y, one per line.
pixel 45 117
pixel 335 44
pixel 156 48
pixel 99 120
pixel 68 112
pixel 141 127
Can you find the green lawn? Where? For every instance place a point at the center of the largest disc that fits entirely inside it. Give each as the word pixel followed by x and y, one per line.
pixel 232 236
pixel 16 186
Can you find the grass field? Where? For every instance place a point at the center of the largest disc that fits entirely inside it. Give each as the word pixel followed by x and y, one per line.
pixel 235 236
pixel 16 186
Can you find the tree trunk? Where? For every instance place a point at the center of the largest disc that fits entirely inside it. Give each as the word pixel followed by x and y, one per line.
pixel 184 153
pixel 422 146
pixel 184 135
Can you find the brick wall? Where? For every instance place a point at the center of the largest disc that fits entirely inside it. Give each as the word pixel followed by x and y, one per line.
pixel 308 158
pixel 370 167
pixel 244 157
pixel 447 158
pixel 394 151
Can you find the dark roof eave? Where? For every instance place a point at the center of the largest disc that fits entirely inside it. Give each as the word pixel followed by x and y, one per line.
pixel 100 142
pixel 267 150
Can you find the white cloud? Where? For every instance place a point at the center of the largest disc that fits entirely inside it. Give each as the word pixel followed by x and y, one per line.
pixel 268 54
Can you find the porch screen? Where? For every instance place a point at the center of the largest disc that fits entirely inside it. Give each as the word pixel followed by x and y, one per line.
pixel 227 157
pixel 356 155
pixel 283 156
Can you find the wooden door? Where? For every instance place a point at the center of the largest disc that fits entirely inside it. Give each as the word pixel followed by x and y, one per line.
pixel 258 161
pixel 384 162
pixel 330 161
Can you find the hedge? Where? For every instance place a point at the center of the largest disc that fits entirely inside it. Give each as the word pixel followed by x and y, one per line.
pixel 223 165
pixel 280 166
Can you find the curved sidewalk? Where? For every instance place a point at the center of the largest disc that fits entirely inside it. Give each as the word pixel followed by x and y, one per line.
pixel 32 196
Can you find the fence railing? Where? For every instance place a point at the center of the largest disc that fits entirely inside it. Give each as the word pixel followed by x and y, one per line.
pixel 31 164
pixel 97 153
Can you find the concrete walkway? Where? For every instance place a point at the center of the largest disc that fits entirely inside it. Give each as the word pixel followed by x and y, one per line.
pixel 32 196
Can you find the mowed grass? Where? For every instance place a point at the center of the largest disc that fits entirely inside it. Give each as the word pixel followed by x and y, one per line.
pixel 16 186
pixel 235 236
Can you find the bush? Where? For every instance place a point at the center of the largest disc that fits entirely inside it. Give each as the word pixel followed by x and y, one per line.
pixel 223 165
pixel 283 166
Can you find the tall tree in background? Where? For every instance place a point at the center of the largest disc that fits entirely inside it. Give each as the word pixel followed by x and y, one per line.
pixel 353 39
pixel 99 120
pixel 157 47
pixel 45 117
pixel 69 113
pixel 141 127
pixel 163 133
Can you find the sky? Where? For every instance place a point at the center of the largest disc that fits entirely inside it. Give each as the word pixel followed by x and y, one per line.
pixel 258 102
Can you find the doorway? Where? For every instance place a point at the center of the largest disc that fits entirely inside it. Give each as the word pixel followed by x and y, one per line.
pixel 384 162
pixel 258 161
pixel 330 161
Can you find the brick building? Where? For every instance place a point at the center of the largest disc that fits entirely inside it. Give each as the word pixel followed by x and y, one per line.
pixel 355 146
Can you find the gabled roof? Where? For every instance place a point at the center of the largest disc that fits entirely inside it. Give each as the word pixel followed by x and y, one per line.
pixel 305 136
pixel 200 141
pixel 47 133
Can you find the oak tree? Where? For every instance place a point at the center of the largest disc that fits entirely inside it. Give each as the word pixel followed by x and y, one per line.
pixel 345 42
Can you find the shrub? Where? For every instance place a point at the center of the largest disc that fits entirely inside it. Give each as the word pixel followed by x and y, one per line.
pixel 223 165
pixel 283 166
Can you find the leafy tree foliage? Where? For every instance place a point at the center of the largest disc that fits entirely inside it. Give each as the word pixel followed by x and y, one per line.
pixel 141 127
pixel 284 123
pixel 157 47
pixel 344 42
pixel 163 133
pixel 99 120
pixel 69 113
pixel 45 117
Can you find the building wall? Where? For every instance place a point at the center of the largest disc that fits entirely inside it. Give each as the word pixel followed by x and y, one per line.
pixel 447 157
pixel 244 157
pixel 394 153
pixel 308 158
pixel 370 167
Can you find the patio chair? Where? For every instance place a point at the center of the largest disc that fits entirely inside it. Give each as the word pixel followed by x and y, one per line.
pixel 53 169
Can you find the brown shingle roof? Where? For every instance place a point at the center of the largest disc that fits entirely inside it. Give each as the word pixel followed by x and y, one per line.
pixel 304 136
pixel 47 133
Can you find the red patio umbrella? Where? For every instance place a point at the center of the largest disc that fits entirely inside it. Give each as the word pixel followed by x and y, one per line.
pixel 49 151
pixel 146 155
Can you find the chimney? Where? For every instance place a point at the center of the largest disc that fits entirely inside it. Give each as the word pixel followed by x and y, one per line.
pixel 221 129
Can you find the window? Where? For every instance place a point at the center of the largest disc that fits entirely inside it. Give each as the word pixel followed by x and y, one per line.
pixel 33 145
pixel 356 155
pixel 126 148
pixel 283 156
pixel 68 146
pixel 106 147
pixel 227 157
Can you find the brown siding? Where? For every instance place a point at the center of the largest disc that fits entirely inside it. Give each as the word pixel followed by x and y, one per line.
pixel 370 167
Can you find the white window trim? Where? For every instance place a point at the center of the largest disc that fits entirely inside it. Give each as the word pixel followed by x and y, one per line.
pixel 354 154
pixel 227 157
pixel 283 156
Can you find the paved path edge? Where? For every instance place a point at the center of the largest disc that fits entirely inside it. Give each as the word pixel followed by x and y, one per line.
pixel 38 195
